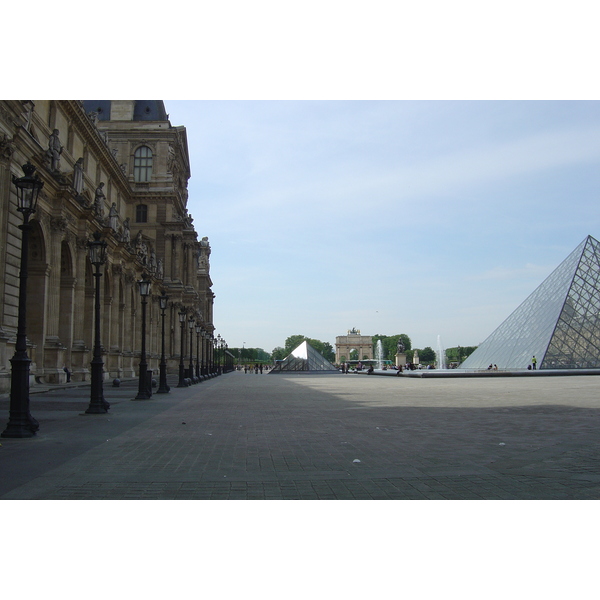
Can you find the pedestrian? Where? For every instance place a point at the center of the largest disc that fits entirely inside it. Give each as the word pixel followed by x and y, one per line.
pixel 260 368
pixel 533 362
pixel 66 370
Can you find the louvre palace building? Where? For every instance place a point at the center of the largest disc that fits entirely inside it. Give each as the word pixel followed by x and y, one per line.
pixel 115 171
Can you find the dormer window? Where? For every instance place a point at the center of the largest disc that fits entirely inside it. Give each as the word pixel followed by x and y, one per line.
pixel 142 164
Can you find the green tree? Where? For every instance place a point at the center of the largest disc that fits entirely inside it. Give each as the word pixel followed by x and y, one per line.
pixel 459 353
pixel 293 342
pixel 278 353
pixel 324 348
pixel 390 344
pixel 427 355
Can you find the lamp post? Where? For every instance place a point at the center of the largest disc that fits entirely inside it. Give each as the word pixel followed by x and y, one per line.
pixel 98 405
pixel 143 392
pixel 216 351
pixel 163 388
pixel 182 314
pixel 21 424
pixel 205 356
pixel 198 332
pixel 191 367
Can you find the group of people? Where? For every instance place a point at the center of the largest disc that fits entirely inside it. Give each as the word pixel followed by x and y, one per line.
pixel 257 368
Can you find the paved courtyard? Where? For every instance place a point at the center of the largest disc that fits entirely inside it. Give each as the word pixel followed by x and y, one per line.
pixel 320 437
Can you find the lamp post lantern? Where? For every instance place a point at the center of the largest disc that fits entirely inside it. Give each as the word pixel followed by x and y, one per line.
pixel 143 392
pixel 163 388
pixel 98 405
pixel 21 424
pixel 191 367
pixel 182 314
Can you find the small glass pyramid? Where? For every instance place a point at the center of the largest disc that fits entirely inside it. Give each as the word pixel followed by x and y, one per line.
pixel 304 358
pixel 558 323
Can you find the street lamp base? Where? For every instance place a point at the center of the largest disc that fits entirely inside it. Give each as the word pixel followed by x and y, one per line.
pixel 96 410
pixel 19 430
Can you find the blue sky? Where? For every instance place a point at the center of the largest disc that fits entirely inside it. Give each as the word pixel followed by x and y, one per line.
pixel 339 169
pixel 420 217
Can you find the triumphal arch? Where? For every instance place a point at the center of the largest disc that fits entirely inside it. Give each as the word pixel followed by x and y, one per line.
pixel 344 344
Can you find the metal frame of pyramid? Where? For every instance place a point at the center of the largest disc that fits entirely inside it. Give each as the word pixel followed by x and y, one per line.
pixel 559 323
pixel 304 359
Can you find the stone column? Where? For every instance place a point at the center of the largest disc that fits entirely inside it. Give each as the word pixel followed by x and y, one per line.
pixel 168 258
pixel 79 351
pixel 54 350
pixel 176 259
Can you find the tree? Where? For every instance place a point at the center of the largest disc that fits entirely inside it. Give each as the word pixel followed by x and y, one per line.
pixel 459 353
pixel 390 344
pixel 324 348
pixel 427 355
pixel 293 342
pixel 278 353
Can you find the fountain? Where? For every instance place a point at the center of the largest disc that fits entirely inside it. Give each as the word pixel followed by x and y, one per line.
pixel 441 355
pixel 379 354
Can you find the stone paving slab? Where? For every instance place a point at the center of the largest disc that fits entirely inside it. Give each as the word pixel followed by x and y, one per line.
pixel 324 437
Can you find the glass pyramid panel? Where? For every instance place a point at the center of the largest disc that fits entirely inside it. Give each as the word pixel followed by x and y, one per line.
pixel 575 343
pixel 557 323
pixel 304 358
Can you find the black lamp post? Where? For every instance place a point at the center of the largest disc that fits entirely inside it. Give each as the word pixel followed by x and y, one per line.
pixel 204 363
pixel 215 356
pixel 98 405
pixel 182 382
pixel 163 388
pixel 143 392
pixel 21 424
pixel 218 346
pixel 212 344
pixel 198 331
pixel 191 367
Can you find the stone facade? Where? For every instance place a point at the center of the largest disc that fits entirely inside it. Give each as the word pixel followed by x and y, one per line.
pixel 122 171
pixel 344 344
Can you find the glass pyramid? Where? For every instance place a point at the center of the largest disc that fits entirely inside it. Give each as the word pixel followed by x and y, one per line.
pixel 304 358
pixel 559 322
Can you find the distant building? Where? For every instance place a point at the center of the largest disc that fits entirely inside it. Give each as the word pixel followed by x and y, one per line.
pixel 559 323
pixel 345 344
pixel 120 168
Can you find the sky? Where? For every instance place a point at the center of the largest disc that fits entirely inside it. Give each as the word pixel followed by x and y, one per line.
pixel 430 218
pixel 414 168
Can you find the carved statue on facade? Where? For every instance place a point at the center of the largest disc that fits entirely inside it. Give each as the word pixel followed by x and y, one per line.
pixel 126 235
pixel 78 176
pixel 54 151
pixel 152 261
pixel 6 146
pixel 99 200
pixel 159 268
pixel 171 159
pixel 141 248
pixel 113 217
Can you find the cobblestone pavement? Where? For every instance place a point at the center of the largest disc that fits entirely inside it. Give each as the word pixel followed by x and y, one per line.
pixel 315 437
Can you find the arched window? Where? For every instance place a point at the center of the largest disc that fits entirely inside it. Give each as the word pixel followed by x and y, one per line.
pixel 142 164
pixel 141 213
